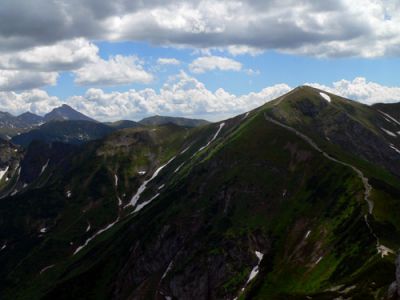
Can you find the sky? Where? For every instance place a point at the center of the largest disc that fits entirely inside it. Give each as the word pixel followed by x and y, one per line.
pixel 127 59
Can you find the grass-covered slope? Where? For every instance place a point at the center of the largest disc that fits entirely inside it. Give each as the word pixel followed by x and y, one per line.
pixel 272 204
pixel 70 132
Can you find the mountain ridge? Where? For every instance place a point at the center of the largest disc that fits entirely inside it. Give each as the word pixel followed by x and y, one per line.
pixel 275 203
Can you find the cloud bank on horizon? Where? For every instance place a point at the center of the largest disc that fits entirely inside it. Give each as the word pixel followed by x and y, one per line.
pixel 43 42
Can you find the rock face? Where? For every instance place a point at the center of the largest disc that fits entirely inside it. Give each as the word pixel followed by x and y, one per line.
pixel 394 288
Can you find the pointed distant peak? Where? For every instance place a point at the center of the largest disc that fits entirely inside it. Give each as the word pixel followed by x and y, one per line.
pixel 66 106
pixel 66 112
pixel 28 114
pixel 30 118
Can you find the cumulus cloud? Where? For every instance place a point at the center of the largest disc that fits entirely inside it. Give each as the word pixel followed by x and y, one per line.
pixel 182 95
pixel 11 80
pixel 117 70
pixel 62 56
pixel 36 101
pixel 366 28
pixel 362 90
pixel 209 63
pixel 168 61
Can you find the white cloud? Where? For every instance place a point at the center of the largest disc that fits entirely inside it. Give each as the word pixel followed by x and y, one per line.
pixel 209 63
pixel 66 55
pixel 366 28
pixel 168 61
pixel 362 90
pixel 11 80
pixel 181 95
pixel 118 70
pixel 36 101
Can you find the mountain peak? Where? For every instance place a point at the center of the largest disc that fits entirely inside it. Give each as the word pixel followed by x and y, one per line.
pixel 66 112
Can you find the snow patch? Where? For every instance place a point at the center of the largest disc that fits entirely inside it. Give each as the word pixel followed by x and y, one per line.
pixel 141 173
pixel 115 180
pixel 307 234
pixel 394 148
pixel 388 132
pixel 46 268
pixel 143 204
pixel 213 138
pixel 179 167
pixel 3 247
pixel 44 167
pixel 119 201
pixel 318 260
pixel 384 251
pixel 96 234
pixel 142 188
pixel 390 117
pixel 169 268
pixel 69 194
pixel 255 270
pixel 88 227
pixel 325 96
pixel 3 172
pixel 43 230
pixel 184 150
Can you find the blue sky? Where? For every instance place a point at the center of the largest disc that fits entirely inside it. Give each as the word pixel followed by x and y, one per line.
pixel 273 68
pixel 212 59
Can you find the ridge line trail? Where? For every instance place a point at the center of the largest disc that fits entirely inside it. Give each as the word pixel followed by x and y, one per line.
pixel 367 187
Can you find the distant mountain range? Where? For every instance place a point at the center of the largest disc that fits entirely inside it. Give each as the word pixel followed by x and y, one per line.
pixel 27 127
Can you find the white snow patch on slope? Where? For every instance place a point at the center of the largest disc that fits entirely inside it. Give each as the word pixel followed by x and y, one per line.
pixel 119 201
pixel 394 148
pixel 115 180
pixel 46 268
pixel 44 167
pixel 96 234
pixel 43 230
pixel 88 227
pixel 141 173
pixel 184 150
pixel 388 132
pixel 318 260
pixel 143 204
pixel 179 167
pixel 161 187
pixel 69 194
pixel 255 270
pixel 3 172
pixel 325 96
pixel 384 251
pixel 3 247
pixel 307 234
pixel 390 117
pixel 170 265
pixel 142 188
pixel 213 138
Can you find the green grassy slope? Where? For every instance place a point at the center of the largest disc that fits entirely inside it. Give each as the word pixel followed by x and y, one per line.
pixel 256 187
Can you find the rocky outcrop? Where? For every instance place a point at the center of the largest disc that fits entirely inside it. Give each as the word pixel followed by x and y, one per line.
pixel 394 288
